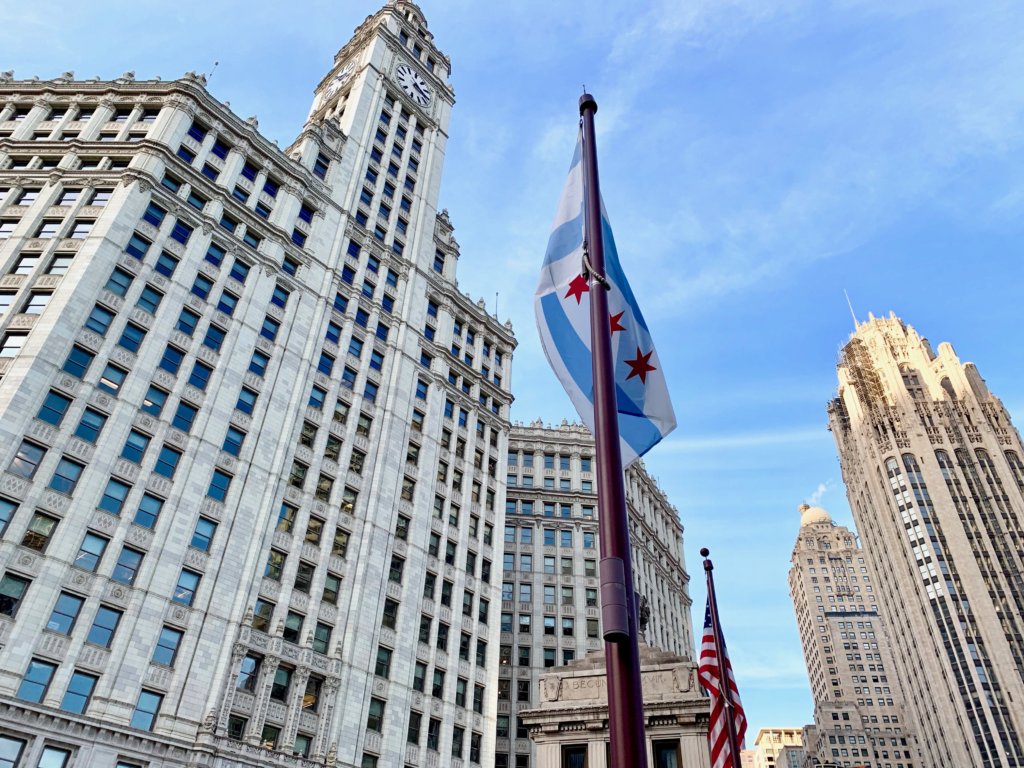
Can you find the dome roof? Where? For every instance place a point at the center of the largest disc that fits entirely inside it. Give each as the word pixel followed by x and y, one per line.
pixel 810 515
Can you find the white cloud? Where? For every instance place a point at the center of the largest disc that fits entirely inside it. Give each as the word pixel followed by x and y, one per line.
pixel 742 441
pixel 819 493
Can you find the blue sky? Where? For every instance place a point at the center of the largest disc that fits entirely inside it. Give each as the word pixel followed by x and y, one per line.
pixel 757 158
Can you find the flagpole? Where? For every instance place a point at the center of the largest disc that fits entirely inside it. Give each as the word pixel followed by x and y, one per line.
pixel 618 609
pixel 730 719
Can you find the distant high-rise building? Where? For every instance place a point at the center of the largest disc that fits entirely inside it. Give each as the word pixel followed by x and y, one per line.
pixel 250 430
pixel 550 582
pixel 771 743
pixel 934 475
pixel 859 718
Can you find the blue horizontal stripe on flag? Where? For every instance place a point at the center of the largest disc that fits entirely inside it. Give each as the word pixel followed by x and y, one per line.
pixel 564 239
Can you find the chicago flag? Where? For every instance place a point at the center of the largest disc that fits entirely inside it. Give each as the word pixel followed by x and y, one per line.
pixel 562 306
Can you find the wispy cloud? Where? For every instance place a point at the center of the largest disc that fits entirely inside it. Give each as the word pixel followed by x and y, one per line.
pixel 833 159
pixel 743 441
pixel 819 493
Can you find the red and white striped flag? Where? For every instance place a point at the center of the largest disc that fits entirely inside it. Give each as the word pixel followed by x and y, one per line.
pixel 710 675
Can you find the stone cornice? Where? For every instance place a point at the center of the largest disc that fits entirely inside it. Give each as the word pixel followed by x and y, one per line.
pixel 189 88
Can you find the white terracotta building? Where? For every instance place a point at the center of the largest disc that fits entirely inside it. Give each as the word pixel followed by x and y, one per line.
pixel 549 603
pixel 934 472
pixel 859 713
pixel 250 431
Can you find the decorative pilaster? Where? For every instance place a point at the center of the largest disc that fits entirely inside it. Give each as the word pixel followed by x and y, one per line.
pixel 259 709
pixel 291 724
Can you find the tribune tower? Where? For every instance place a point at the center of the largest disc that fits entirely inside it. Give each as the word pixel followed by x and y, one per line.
pixel 935 479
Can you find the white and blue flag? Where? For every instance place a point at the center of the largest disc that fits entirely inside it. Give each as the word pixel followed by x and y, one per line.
pixel 562 305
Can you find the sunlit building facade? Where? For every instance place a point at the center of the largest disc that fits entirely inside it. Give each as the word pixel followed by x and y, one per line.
pixel 549 602
pixel 253 437
pixel 859 714
pixel 935 479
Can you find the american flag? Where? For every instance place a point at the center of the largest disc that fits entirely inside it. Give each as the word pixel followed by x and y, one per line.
pixel 710 676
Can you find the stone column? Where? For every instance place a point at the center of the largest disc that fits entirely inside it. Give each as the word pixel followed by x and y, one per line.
pixel 291 723
pixel 328 695
pixel 228 696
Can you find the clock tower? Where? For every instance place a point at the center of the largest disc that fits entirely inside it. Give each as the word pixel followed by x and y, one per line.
pixel 389 94
pixel 322 586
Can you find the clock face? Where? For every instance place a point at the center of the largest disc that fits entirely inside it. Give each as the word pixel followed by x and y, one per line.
pixel 414 85
pixel 339 80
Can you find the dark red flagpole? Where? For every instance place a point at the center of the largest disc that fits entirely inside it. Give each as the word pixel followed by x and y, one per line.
pixel 618 608
pixel 723 670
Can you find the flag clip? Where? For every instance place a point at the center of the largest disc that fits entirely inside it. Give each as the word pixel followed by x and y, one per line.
pixel 588 270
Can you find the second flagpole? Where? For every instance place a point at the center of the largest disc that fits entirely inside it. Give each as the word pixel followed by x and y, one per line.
pixel 730 717
pixel 618 610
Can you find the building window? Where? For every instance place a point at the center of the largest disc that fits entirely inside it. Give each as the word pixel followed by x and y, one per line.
pixel 100 318
pixel 332 588
pixel 112 378
pixel 186 323
pixel 53 408
pixel 275 565
pixel 149 300
pixel 666 754
pixel 76 699
pixel 36 303
pixel 293 627
pixel 282 682
pixel 258 365
pixel 127 567
pixel 36 680
pixel 269 328
pixel 322 637
pixel 103 627
pixel 60 264
pixel 146 710
pixel 320 165
pixel 304 576
pixel 200 376
pixel 248 673
pixel 246 400
pixel 233 441
pixel 91 552
pixel 219 485
pixel 185 589
pixel 262 614
pixel 65 613
pixel 382 668
pixel 184 416
pixel 167 646
pixel 39 531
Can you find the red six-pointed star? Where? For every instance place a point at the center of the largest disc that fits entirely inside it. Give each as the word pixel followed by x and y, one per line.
pixel 640 366
pixel 615 324
pixel 577 288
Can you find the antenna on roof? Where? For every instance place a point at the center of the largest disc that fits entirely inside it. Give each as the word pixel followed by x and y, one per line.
pixel 495 305
pixel 852 313
pixel 210 76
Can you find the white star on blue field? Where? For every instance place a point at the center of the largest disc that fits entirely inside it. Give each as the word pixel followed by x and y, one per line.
pixel 757 158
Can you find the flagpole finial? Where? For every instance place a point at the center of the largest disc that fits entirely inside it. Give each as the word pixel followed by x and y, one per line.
pixel 704 552
pixel 587 102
